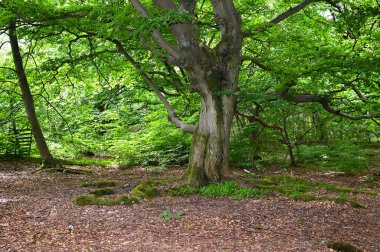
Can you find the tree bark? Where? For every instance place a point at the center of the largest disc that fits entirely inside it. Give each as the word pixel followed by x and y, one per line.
pixel 46 157
pixel 211 141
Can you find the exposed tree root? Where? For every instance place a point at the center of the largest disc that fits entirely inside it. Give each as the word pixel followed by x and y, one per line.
pixel 63 170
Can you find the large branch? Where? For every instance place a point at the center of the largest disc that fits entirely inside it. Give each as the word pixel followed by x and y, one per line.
pixel 281 17
pixel 290 12
pixel 229 22
pixel 253 118
pixel 171 113
pixel 325 102
pixel 157 36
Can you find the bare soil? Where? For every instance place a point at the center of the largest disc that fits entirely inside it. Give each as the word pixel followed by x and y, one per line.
pixel 37 214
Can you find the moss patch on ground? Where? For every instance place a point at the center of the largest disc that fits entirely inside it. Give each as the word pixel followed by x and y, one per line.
pixel 100 184
pixel 147 189
pixel 293 187
pixel 298 188
pixel 91 199
pixel 102 191
pixel 225 189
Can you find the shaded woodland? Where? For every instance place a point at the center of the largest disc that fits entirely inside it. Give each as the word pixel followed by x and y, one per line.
pixel 159 108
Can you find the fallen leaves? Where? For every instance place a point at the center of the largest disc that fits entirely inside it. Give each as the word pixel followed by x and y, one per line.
pixel 38 216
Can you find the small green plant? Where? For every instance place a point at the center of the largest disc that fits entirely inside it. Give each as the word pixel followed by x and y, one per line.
pixel 169 215
pixel 102 191
pixel 100 184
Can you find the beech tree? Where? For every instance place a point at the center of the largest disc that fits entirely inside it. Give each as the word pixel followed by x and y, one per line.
pixel 212 65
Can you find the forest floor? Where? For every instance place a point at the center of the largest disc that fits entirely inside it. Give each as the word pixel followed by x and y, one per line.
pixel 37 214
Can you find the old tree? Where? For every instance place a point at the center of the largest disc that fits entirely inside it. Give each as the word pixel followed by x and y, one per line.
pixel 214 49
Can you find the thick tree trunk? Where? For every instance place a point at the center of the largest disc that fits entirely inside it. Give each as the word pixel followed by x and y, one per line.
pixel 211 141
pixel 46 157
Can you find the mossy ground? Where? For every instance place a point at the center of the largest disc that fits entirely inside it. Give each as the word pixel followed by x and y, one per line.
pixel 102 191
pixel 91 199
pixel 293 187
pixel 146 189
pixel 100 184
pixel 225 189
pixel 103 188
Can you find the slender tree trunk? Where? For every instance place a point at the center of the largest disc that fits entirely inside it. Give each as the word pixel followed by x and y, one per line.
pixel 46 157
pixel 288 143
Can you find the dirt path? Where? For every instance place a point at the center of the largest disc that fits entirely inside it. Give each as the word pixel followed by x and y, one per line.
pixel 36 214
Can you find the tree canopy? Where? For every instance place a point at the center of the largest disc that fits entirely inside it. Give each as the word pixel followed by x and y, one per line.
pixel 100 71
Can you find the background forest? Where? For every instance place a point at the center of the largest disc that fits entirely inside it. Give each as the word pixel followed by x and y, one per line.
pixel 308 85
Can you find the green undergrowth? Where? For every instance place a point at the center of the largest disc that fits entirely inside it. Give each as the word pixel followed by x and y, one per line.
pixel 91 199
pixel 340 157
pixel 225 189
pixel 88 162
pixel 302 189
pixel 100 184
pixel 293 187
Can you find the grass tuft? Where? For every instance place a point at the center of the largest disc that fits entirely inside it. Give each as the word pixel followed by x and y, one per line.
pixel 226 189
